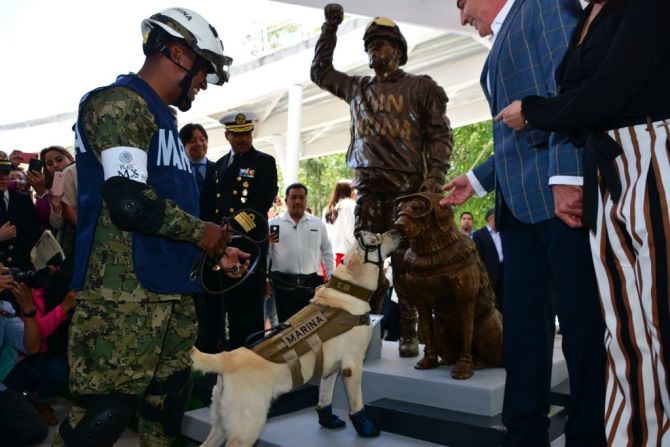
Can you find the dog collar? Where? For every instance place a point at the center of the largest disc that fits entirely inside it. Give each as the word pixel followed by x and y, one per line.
pixel 359 292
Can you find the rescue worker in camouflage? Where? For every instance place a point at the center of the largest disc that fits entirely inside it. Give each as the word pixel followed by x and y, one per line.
pixel 401 140
pixel 138 239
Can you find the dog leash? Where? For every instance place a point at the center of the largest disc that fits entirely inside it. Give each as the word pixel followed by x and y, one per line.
pixel 246 224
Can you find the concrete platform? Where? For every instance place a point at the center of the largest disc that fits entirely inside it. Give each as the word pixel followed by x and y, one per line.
pixel 302 429
pixel 476 401
pixel 394 377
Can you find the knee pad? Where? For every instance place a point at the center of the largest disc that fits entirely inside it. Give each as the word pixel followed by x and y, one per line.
pixel 177 390
pixel 106 418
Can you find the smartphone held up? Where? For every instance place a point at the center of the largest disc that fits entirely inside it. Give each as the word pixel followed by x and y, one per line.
pixel 35 165
pixel 19 157
pixel 57 184
pixel 274 233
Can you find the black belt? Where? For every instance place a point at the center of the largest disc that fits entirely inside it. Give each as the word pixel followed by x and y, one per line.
pixel 291 281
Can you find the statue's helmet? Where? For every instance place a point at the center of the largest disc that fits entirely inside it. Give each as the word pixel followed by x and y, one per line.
pixel 383 28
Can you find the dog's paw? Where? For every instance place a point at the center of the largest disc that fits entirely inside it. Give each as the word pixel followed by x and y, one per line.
pixel 408 347
pixel 328 419
pixel 463 368
pixel 428 362
pixel 364 426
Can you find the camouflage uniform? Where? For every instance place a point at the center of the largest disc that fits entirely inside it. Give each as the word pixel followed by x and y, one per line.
pixel 124 337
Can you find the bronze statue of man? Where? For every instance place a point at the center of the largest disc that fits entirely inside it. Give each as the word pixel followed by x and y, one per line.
pixel 401 139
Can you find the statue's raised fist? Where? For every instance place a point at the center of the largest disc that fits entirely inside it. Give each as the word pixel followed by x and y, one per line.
pixel 334 13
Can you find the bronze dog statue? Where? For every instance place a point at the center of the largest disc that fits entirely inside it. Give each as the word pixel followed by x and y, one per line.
pixel 458 319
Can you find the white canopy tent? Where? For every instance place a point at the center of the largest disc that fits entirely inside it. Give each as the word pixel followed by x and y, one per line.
pixel 438 46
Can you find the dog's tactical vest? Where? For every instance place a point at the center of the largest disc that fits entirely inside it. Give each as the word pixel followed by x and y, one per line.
pixel 309 329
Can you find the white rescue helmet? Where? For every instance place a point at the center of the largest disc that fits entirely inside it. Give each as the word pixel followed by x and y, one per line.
pixel 191 29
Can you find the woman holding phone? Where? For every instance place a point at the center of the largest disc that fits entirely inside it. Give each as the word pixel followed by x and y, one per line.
pixel 615 102
pixel 40 177
pixel 60 177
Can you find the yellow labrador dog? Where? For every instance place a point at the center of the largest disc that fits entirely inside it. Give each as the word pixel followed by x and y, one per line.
pixel 330 335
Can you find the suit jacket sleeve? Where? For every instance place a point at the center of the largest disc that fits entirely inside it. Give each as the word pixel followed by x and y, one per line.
pixel 487 250
pixel 479 242
pixel 553 40
pixel 638 46
pixel 485 173
pixel 207 202
pixel 30 225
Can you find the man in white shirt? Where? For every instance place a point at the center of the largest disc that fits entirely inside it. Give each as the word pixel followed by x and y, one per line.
pixel 296 252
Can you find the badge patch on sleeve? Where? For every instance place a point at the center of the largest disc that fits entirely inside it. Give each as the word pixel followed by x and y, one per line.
pixel 248 172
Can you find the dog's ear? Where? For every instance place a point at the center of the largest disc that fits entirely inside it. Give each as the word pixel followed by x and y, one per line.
pixel 355 264
pixel 444 216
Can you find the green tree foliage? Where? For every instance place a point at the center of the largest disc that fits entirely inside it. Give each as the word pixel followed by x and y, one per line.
pixel 320 176
pixel 473 144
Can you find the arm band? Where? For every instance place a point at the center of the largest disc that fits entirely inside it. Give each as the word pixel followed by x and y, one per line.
pixel 126 161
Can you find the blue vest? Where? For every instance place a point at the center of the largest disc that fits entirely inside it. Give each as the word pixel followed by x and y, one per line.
pixel 162 265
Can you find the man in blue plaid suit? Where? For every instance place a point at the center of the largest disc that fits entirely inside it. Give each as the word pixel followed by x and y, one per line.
pixel 537 177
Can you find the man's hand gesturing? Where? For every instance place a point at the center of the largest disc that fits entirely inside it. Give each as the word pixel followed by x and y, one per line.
pixel 334 14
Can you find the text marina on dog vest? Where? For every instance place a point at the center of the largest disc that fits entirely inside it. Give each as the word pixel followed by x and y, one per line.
pixel 305 329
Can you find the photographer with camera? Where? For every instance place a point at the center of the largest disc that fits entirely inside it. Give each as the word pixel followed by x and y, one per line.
pixel 42 376
pixel 21 424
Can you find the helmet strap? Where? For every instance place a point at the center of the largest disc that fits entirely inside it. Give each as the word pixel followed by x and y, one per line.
pixel 165 51
pixel 185 83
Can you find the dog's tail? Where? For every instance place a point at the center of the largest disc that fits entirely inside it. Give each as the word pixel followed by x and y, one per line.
pixel 208 363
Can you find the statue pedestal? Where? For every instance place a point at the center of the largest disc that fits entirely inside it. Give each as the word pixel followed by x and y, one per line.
pixel 374 351
pixel 394 377
pixel 412 407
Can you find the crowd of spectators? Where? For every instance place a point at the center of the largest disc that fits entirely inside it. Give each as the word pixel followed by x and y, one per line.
pixel 35 301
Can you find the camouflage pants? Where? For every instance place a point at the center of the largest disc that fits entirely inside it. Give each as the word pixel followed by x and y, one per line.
pixel 122 347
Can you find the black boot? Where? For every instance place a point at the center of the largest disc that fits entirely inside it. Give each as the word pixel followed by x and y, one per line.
pixel 364 426
pixel 328 419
